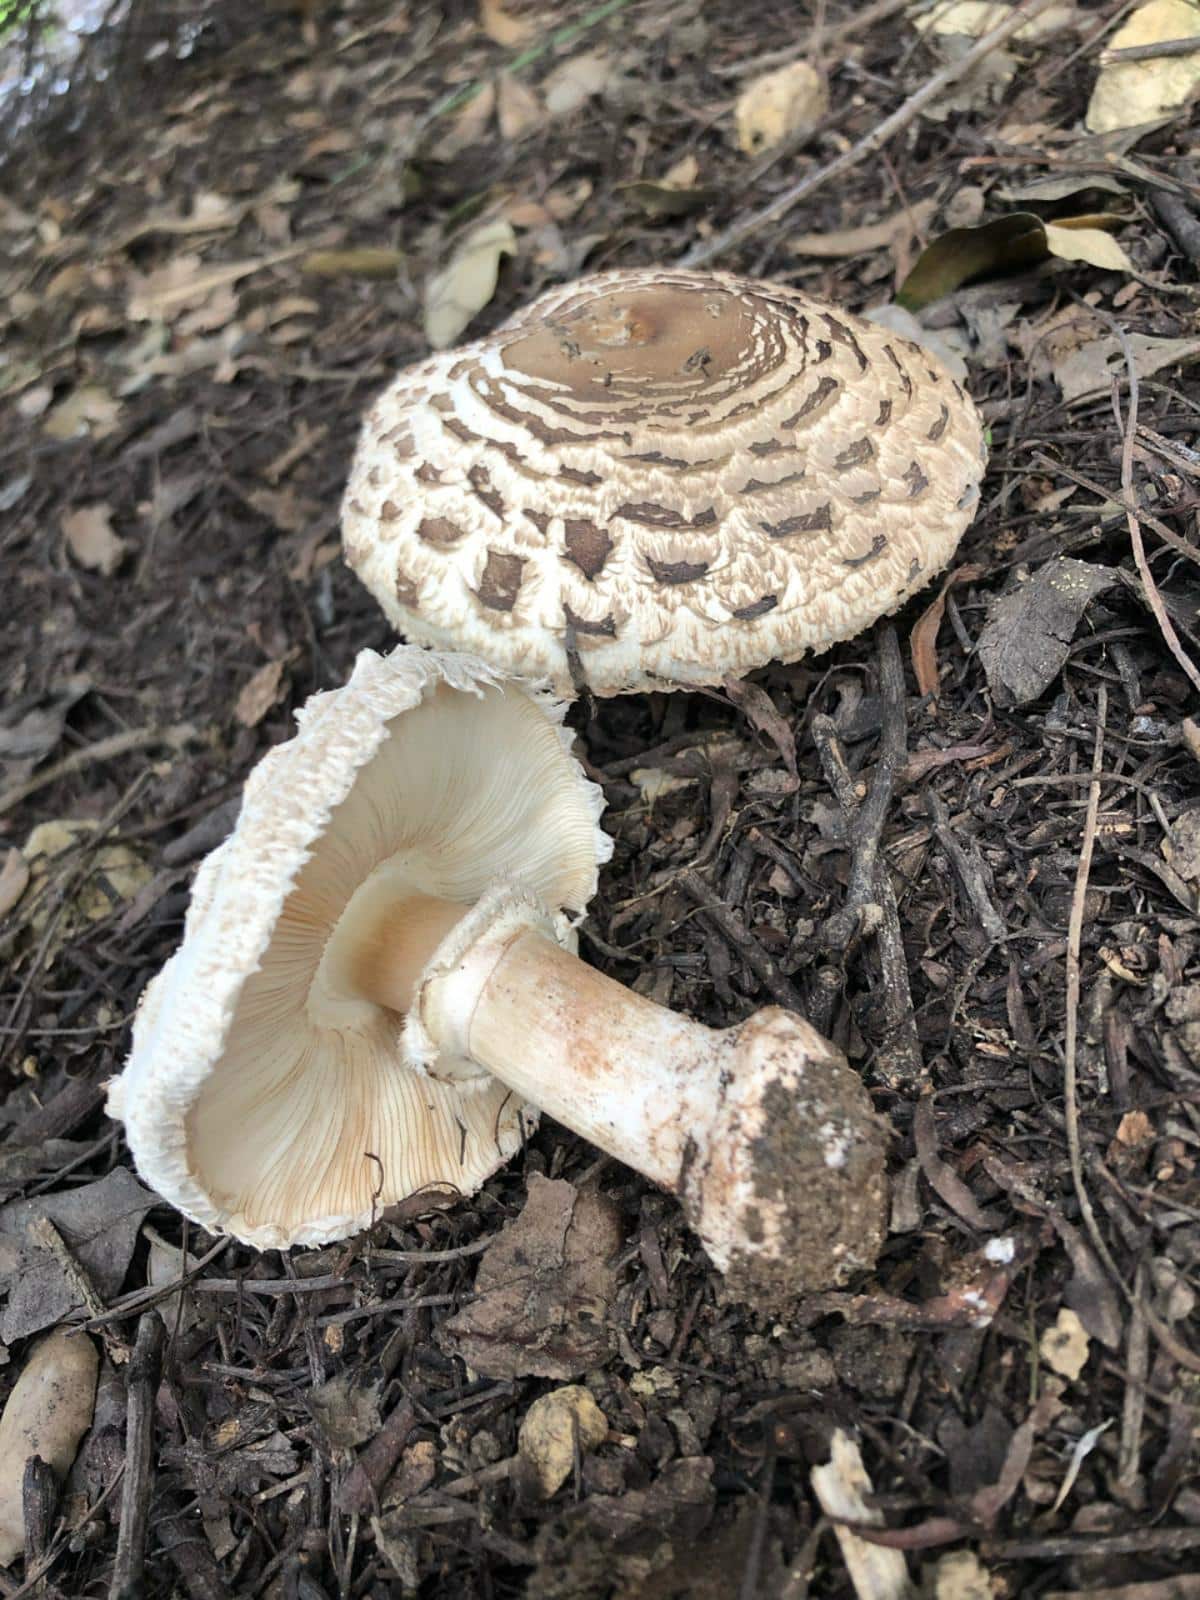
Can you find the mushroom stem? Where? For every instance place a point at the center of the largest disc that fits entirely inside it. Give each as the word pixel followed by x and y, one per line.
pixel 762 1130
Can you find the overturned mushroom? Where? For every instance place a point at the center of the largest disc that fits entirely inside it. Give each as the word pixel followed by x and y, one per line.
pixel 377 984
pixel 653 478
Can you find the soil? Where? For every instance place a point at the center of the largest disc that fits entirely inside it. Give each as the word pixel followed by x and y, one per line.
pixel 1019 987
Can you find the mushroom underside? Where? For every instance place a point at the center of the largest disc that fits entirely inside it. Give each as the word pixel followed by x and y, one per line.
pixel 284 1104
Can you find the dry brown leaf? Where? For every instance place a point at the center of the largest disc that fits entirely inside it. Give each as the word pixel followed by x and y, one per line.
pixel 923 640
pixel 961 1576
pixel 114 874
pixel 1093 245
pixel 871 236
pixel 504 25
pixel 471 124
pixel 1027 637
pixel 544 1288
pixel 259 694
pixel 467 282
pixel 683 173
pixel 1130 93
pixel 1090 368
pixel 91 540
pixel 518 109
pixel 88 412
pixel 14 880
pixel 780 106
pixel 46 1414
pixel 573 83
pixel 210 213
pixel 187 281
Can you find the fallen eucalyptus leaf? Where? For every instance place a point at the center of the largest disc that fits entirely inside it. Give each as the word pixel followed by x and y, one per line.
pixel 839 242
pixel 47 1413
pixel 368 261
pixel 467 282
pixel 575 82
pixel 1091 368
pixel 1006 244
pixel 1093 245
pixel 1047 190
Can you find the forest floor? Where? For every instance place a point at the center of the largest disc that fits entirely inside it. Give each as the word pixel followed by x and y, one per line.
pixel 184 368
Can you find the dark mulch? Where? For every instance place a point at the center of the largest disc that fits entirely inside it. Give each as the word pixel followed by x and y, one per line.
pixel 216 442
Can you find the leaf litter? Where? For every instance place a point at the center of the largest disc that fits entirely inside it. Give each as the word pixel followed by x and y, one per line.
pixel 714 1415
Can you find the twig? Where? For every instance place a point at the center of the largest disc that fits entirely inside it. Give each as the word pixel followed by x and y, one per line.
pixel 1162 1333
pixel 1153 598
pixel 730 925
pixel 117 744
pixel 871 901
pixel 144 1372
pixel 865 830
pixel 360 1490
pixel 1151 52
pixel 1095 1546
pixel 1074 985
pixel 42 1232
pixel 969 867
pixel 1133 1409
pixel 869 143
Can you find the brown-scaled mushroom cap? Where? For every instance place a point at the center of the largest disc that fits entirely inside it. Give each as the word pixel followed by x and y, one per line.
pixel 652 478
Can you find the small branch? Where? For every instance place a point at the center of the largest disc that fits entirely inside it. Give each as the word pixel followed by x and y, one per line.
pixel 865 828
pixel 731 927
pixel 870 905
pixel 969 867
pixel 1151 52
pixel 144 1371
pixel 1153 598
pixel 359 1492
pixel 119 744
pixel 929 91
pixel 42 1233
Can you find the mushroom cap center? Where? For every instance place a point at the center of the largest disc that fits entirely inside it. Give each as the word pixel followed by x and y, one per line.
pixel 650 338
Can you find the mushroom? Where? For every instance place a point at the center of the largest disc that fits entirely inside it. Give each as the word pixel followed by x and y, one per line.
pixel 654 478
pixel 377 985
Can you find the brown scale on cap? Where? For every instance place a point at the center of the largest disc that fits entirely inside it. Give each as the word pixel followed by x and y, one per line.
pixel 661 477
